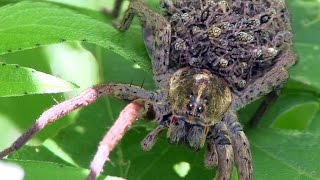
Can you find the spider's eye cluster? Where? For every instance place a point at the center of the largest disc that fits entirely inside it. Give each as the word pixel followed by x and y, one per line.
pixel 191 105
pixel 199 109
pixel 194 109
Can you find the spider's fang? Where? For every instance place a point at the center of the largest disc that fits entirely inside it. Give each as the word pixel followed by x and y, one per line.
pixel 173 119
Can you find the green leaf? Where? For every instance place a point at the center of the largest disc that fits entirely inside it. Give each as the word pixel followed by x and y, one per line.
pixel 306 24
pixel 285 154
pixel 29 25
pixel 17 81
pixel 51 171
pixel 294 110
pixel 277 153
pixel 295 116
pixel 314 126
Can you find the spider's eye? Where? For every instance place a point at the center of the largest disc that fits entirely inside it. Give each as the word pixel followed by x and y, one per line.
pixel 191 95
pixel 190 106
pixel 200 109
pixel 205 100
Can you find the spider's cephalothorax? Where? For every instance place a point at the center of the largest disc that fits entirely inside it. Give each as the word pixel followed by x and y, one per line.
pixel 198 100
pixel 198 96
pixel 209 59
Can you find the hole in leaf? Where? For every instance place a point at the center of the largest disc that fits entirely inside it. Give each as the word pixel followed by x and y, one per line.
pixel 182 168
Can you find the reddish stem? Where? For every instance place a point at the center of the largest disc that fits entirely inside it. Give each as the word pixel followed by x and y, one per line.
pixel 127 116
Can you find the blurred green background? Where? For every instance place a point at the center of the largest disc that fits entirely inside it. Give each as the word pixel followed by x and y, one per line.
pixel 285 145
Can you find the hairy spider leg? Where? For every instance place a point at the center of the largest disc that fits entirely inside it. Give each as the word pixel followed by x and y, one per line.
pixel 272 80
pixel 263 107
pixel 241 147
pixel 121 91
pixel 211 157
pixel 224 150
pixel 168 6
pixel 279 75
pixel 161 34
pixel 115 11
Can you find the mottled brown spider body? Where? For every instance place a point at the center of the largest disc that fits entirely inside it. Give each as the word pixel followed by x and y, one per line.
pixel 219 56
pixel 198 99
pixel 237 40
pixel 209 59
pixel 239 43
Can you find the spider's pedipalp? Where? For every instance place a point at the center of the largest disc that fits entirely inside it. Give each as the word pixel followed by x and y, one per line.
pixel 127 116
pixel 196 137
pixel 177 131
pixel 224 151
pixel 241 147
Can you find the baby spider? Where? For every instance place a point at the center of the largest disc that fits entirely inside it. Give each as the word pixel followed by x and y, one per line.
pixel 201 79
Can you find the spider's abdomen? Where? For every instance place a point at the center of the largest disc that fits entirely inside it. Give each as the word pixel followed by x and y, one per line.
pixel 238 40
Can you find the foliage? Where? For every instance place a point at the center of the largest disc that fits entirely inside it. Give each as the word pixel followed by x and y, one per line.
pixel 89 51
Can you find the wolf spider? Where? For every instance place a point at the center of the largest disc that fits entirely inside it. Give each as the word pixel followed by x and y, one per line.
pixel 209 58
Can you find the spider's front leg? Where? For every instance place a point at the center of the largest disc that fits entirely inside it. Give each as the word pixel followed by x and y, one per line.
pixel 224 150
pixel 241 147
pixel 157 34
pixel 115 11
pixel 140 97
pixel 211 157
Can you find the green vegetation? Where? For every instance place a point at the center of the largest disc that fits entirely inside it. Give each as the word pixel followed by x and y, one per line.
pixel 88 50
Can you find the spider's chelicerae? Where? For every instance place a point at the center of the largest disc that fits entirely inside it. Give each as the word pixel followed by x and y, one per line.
pixel 209 58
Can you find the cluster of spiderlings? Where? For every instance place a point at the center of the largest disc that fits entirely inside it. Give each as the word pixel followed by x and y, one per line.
pixel 238 40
